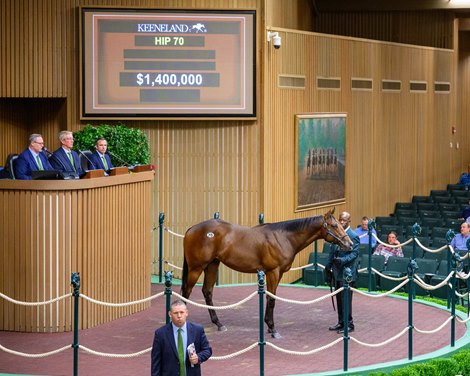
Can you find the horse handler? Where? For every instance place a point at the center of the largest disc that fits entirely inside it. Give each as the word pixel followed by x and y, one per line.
pixel 339 260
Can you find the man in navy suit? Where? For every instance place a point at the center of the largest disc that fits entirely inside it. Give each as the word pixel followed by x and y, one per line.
pixel 31 159
pixel 169 345
pixel 99 159
pixel 338 260
pixel 64 158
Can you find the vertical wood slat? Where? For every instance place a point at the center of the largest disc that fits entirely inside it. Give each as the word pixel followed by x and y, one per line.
pixel 51 233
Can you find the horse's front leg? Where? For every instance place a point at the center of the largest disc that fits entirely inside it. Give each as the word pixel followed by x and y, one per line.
pixel 210 277
pixel 273 279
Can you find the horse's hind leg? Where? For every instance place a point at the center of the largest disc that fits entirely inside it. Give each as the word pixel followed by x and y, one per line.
pixel 210 277
pixel 273 279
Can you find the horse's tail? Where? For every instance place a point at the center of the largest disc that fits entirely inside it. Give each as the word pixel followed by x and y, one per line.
pixel 184 281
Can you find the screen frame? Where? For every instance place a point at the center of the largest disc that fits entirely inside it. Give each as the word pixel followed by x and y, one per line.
pixel 118 115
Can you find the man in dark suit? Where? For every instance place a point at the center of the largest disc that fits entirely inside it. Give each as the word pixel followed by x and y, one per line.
pixel 99 159
pixel 31 159
pixel 179 347
pixel 64 158
pixel 339 260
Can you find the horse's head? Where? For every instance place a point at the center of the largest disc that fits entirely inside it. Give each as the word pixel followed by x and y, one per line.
pixel 333 231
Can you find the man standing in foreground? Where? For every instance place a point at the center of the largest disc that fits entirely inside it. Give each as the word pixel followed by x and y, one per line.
pixel 179 347
pixel 337 262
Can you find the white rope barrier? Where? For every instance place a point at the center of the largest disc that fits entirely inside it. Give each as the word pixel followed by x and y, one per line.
pixel 111 355
pixel 122 304
pixel 173 266
pixel 41 355
pixel 34 303
pixel 172 232
pixel 305 302
pixel 429 249
pixel 434 330
pixel 310 352
pixel 216 307
pixel 390 245
pixel 381 343
pixel 373 295
pixel 390 277
pixel 233 355
pixel 425 286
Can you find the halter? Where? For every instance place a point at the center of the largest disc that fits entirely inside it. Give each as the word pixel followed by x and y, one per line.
pixel 328 232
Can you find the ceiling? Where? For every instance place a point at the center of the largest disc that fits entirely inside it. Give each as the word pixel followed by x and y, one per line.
pixel 389 5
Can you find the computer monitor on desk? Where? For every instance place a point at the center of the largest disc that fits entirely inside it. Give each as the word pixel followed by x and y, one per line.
pixel 46 175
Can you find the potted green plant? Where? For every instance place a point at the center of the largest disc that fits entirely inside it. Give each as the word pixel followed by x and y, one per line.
pixel 126 145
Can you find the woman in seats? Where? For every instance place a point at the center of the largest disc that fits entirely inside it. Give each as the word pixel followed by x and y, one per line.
pixel 391 249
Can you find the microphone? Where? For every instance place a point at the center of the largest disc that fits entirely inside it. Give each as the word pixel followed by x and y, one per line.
pixel 88 159
pixel 119 159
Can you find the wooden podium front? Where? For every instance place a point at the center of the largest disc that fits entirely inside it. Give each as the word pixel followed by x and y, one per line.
pixel 50 228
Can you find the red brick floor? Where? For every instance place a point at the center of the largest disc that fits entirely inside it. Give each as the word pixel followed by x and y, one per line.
pixel 303 327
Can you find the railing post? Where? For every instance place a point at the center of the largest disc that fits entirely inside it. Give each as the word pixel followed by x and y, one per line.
pixel 217 216
pixel 347 278
pixel 370 227
pixel 415 231
pixel 168 293
pixel 261 343
pixel 412 267
pixel 456 260
pixel 261 218
pixel 449 236
pixel 161 219
pixel 75 281
pixel 315 264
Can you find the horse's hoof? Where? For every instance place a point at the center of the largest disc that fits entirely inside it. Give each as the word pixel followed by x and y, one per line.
pixel 222 328
pixel 276 335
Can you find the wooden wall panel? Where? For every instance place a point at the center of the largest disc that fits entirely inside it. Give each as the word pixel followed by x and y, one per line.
pixel 98 229
pixel 397 143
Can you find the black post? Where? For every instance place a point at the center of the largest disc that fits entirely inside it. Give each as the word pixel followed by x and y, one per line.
pixel 315 263
pixel 261 218
pixel 412 267
pixel 370 227
pixel 449 236
pixel 261 343
pixel 168 292
pixel 161 219
pixel 75 281
pixel 347 278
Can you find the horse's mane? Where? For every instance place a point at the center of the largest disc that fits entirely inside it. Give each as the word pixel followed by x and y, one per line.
pixel 294 224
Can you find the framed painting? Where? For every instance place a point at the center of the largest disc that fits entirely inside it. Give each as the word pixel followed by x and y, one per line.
pixel 320 150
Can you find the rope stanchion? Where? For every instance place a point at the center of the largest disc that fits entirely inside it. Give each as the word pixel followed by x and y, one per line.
pixel 386 342
pixel 19 302
pixel 310 352
pixel 41 355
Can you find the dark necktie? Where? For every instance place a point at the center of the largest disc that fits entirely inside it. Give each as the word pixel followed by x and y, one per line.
pixel 181 352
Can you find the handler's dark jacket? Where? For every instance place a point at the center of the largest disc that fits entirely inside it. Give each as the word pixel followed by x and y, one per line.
pixel 347 258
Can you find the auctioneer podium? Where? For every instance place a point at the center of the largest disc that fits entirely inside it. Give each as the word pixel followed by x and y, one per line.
pixel 50 228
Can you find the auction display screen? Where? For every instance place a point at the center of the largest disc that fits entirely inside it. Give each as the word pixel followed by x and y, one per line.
pixel 146 63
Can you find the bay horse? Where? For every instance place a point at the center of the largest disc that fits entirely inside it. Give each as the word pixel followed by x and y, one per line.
pixel 269 247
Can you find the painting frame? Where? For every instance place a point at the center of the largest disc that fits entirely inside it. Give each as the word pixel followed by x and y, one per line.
pixel 320 160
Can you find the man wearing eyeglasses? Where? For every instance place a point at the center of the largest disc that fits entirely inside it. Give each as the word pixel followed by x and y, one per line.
pixel 31 159
pixel 64 158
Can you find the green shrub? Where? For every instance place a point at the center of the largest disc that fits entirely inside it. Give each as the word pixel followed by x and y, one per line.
pixel 445 366
pixel 128 144
pixel 463 361
pixel 406 371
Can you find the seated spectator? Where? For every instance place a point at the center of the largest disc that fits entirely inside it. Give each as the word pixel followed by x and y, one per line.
pixel 32 159
pixel 465 179
pixel 388 251
pixel 466 213
pixel 363 230
pixel 459 242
